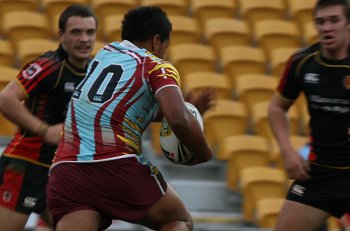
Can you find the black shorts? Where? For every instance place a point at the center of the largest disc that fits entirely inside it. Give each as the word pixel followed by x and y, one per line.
pixel 328 189
pixel 22 185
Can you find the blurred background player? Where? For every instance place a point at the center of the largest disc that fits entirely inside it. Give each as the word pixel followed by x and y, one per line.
pixel 99 171
pixel 37 101
pixel 321 71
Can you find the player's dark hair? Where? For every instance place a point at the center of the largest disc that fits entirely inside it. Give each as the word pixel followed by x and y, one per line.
pixel 324 3
pixel 75 10
pixel 143 23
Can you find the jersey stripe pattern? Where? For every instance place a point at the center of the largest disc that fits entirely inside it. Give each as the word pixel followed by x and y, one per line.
pixel 117 100
pixel 48 83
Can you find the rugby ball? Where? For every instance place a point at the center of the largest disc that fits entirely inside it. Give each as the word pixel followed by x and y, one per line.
pixel 171 147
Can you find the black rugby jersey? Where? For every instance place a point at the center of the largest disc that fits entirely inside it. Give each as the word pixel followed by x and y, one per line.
pixel 48 82
pixel 326 85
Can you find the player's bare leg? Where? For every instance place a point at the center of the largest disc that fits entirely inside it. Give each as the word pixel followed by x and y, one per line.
pixel 168 214
pixel 308 218
pixel 11 220
pixel 81 220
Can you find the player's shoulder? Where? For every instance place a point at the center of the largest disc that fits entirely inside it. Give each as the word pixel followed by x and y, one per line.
pixel 301 53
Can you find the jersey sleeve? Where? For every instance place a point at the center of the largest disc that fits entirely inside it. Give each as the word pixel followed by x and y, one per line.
pixel 289 85
pixel 163 75
pixel 37 77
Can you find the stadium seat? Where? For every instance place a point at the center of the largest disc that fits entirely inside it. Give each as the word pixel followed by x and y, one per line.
pixel 112 28
pixel 227 118
pixel 261 125
pixel 7 55
pixel 224 32
pixel 272 34
pixel 7 74
pixel 106 8
pixel 258 183
pixel 243 151
pixel 173 7
pixel 254 88
pixel 188 58
pixel 53 8
pixel 267 210
pixel 98 45
pixel 203 10
pixel 184 30
pixel 309 35
pixel 196 82
pixel 301 12
pixel 239 60
pixel 279 58
pixel 29 49
pixel 255 11
pixel 7 6
pixel 20 25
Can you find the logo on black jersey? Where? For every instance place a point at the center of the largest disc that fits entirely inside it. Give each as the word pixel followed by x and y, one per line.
pixel 31 71
pixel 69 87
pixel 311 78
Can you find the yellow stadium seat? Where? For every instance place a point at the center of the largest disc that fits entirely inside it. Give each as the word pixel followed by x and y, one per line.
pixel 243 151
pixel 227 118
pixel 255 11
pixel 20 25
pixel 279 58
pixel 29 49
pixel 184 30
pixel 239 60
pixel 53 8
pixel 272 34
pixel 301 12
pixel 7 6
pixel 188 58
pixel 173 7
pixel 203 10
pixel 7 55
pixel 258 183
pixel 310 35
pixel 196 82
pixel 7 74
pixel 254 88
pixel 106 8
pixel 267 210
pixel 98 45
pixel 112 28
pixel 223 32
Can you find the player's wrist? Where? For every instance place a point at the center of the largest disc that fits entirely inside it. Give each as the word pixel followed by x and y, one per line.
pixel 42 129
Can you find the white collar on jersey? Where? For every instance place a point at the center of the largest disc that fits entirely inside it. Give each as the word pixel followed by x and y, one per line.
pixel 126 43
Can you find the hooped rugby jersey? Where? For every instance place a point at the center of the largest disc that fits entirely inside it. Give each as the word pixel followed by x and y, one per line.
pixel 120 90
pixel 48 82
pixel 326 85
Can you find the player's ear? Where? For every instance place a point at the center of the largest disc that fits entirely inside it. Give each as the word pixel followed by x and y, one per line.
pixel 156 43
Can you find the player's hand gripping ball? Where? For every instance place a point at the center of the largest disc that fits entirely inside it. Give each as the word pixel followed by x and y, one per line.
pixel 171 146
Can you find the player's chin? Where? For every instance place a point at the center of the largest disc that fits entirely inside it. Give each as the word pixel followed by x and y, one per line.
pixel 83 55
